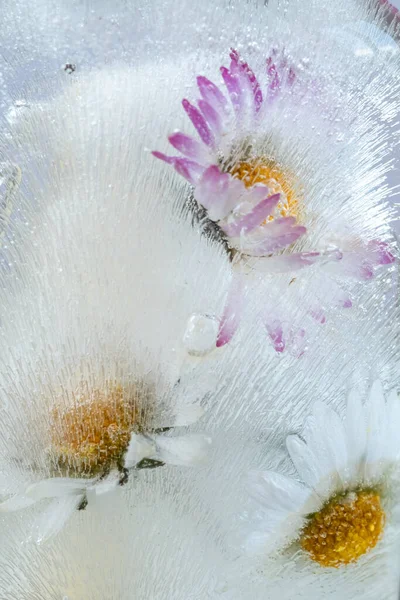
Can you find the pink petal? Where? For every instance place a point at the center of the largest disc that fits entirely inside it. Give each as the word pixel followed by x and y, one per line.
pixel 218 192
pixel 254 218
pixel 287 262
pixel 347 303
pixel 355 265
pixel 381 253
pixel 233 86
pixel 212 94
pixel 233 310
pixel 247 71
pixel 293 341
pixel 212 116
pixel 199 123
pixel 188 146
pixel 274 79
pixel 279 73
pixel 278 234
pixel 189 169
pixel 318 314
pixel 275 332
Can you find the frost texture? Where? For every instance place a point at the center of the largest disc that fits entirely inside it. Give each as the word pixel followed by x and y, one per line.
pixel 103 268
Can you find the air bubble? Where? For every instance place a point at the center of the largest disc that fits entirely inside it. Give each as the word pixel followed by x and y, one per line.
pixel 200 335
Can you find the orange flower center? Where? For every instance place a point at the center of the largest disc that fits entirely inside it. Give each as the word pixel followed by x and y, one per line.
pixel 91 437
pixel 278 180
pixel 345 529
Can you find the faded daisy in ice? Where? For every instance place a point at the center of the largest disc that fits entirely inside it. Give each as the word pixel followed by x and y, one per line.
pixel 102 360
pixel 339 506
pixel 97 439
pixel 275 183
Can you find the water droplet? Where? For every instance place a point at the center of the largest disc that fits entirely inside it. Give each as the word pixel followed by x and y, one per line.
pixel 200 335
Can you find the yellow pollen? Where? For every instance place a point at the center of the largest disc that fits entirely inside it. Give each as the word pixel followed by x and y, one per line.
pixel 269 173
pixel 92 436
pixel 345 529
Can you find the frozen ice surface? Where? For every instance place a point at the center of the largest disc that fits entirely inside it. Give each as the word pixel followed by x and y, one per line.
pixel 105 274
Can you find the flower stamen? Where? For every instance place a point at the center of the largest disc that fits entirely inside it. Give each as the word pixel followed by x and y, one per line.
pixel 344 529
pixel 278 180
pixel 91 437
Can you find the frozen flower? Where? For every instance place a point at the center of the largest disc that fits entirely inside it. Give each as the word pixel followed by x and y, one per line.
pixel 278 187
pixel 94 444
pixel 340 505
pixel 244 190
pixel 99 363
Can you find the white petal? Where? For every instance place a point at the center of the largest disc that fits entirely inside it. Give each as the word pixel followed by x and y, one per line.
pixel 17 502
pixel 139 447
pixel 276 532
pixel 327 442
pixel 57 487
pixel 53 519
pixel 356 431
pixel 260 542
pixel 376 431
pixel 376 395
pixel 186 414
pixel 276 492
pixel 304 460
pixel 392 451
pixel 184 450
pixel 108 484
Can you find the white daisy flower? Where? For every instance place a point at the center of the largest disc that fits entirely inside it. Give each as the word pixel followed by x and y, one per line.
pixel 103 342
pixel 338 508
pixel 95 444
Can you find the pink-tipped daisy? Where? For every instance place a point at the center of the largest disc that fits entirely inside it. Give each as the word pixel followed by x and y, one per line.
pixel 261 174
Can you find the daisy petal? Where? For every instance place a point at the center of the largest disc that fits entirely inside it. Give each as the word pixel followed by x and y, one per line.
pixel 254 218
pixel 356 431
pixel 212 94
pixel 57 487
pixel 233 310
pixel 183 450
pixel 275 235
pixel 327 440
pixel 108 484
pixel 275 331
pixel 212 117
pixel 307 465
pixel 376 428
pixel 218 193
pixel 189 147
pixel 199 123
pixel 233 86
pixel 247 71
pixel 189 169
pixel 53 519
pixel 293 262
pixel 17 502
pixel 393 421
pixel 140 447
pixel 274 79
pixel 274 491
pixel 381 253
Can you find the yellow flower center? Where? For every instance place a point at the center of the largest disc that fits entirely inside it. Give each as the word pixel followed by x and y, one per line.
pixel 91 437
pixel 345 529
pixel 278 180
